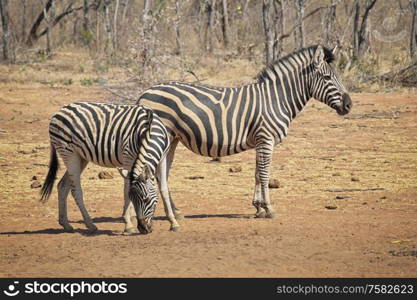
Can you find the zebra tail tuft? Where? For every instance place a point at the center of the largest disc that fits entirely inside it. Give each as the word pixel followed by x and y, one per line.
pixel 50 178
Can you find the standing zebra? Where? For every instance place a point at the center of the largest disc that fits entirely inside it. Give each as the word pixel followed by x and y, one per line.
pixel 220 121
pixel 124 136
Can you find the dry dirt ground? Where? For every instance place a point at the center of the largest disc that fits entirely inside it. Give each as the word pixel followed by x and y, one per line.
pixel 347 201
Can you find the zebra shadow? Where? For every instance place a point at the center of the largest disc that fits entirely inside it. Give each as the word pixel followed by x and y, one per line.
pixel 204 216
pixel 55 231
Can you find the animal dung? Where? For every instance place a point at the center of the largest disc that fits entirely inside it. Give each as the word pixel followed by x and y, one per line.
pixel 36 184
pixel 105 175
pixel 274 184
pixel 194 177
pixel 236 169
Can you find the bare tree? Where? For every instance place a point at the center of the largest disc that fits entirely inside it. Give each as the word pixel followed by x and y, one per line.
pixel 49 16
pixel 269 31
pixel 178 49
pixel 279 7
pixel 23 31
pixel 328 24
pixel 8 45
pixel 413 36
pixel 211 18
pixel 33 33
pixel 274 26
pixel 299 32
pixel 147 33
pixel 225 24
pixel 360 28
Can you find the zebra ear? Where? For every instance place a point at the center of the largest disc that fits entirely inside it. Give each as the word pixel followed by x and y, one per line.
pixel 318 58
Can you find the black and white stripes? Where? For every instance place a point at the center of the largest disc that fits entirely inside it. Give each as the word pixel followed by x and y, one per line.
pixel 220 121
pixel 126 136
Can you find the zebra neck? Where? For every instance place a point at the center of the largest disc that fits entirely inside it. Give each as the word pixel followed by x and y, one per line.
pixel 285 93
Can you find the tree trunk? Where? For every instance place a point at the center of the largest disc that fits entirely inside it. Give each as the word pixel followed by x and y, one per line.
pixel 178 49
pixel 49 17
pixel 360 32
pixel 108 45
pixel 32 33
pixel 116 13
pixel 279 28
pixel 225 26
pixel 23 31
pixel 147 33
pixel 211 14
pixel 8 46
pixel 413 36
pixel 299 32
pixel 329 22
pixel 269 33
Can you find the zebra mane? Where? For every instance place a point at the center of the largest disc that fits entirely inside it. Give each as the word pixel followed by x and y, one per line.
pixel 328 57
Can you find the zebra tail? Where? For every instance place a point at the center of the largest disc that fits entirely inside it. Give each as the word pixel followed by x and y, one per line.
pixel 50 178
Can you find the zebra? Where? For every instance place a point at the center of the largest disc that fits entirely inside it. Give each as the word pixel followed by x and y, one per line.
pixel 220 121
pixel 128 137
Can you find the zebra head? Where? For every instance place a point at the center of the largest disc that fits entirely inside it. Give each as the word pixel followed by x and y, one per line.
pixel 143 194
pixel 326 84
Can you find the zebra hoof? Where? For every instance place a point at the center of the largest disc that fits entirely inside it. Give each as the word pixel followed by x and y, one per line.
pixel 129 231
pixel 69 229
pixel 261 214
pixel 174 228
pixel 271 215
pixel 92 230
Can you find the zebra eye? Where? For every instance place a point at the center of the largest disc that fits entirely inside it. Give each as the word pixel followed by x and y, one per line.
pixel 327 77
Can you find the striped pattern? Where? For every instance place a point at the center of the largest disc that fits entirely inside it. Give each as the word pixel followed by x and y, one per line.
pixel 125 136
pixel 220 121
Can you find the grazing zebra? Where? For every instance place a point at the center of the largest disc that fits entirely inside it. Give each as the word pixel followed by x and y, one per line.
pixel 220 121
pixel 124 136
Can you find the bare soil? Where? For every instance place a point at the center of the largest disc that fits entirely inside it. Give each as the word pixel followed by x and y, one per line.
pixel 346 202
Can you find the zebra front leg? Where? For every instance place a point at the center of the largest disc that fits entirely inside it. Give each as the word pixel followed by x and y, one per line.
pixel 128 210
pixel 163 188
pixel 64 187
pixel 257 196
pixel 263 162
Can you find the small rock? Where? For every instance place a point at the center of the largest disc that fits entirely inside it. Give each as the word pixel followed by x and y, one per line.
pixel 34 177
pixel 354 178
pixel 274 184
pixel 105 175
pixel 331 206
pixel 235 169
pixel 36 184
pixel 342 197
pixel 337 174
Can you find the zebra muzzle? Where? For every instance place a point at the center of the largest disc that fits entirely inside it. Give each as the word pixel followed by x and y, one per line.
pixel 346 105
pixel 144 226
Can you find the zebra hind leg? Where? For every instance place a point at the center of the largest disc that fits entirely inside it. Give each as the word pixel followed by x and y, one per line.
pixel 64 187
pixel 75 166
